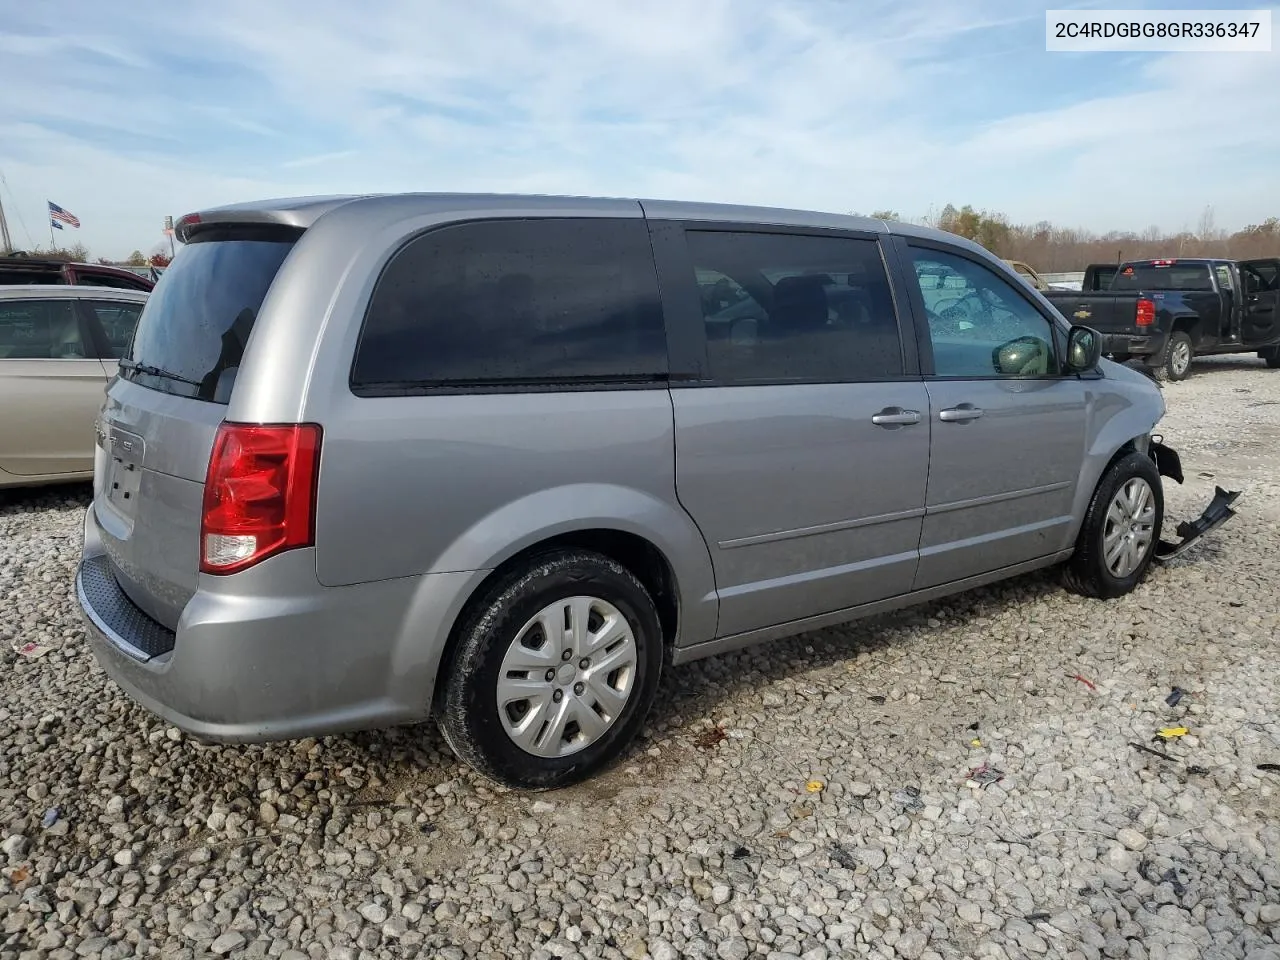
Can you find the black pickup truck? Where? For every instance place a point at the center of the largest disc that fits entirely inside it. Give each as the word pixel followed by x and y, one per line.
pixel 1165 312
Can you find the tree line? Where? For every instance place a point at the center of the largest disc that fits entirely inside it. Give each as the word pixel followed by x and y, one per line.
pixel 1053 249
pixel 79 253
pixel 1048 248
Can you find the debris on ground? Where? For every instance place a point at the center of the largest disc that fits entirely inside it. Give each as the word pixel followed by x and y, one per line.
pixel 814 786
pixel 1172 733
pixel 50 817
pixel 20 875
pixel 843 857
pixel 1173 698
pixel 985 775
pixel 1170 877
pixel 1088 683
pixel 1155 753
pixel 909 799
pixel 32 650
pixel 710 739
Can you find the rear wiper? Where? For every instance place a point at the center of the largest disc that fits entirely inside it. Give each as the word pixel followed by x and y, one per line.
pixel 149 370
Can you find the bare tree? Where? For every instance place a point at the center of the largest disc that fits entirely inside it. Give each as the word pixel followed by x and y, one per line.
pixel 1208 228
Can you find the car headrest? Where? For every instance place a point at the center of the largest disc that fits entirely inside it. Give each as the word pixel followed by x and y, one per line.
pixel 799 303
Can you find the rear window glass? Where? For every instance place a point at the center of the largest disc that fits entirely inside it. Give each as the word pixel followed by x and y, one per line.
pixel 192 334
pixel 498 302
pixel 1144 276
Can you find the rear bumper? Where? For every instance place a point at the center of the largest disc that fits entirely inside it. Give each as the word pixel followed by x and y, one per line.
pixel 273 655
pixel 1134 346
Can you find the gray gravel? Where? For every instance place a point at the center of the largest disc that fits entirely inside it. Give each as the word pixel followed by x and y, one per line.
pixel 121 837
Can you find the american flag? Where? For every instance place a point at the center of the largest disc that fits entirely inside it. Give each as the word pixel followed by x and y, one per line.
pixel 58 216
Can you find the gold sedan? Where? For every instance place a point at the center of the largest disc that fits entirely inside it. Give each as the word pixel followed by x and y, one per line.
pixel 58 349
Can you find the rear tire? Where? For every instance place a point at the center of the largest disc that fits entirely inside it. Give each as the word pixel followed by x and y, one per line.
pixel 1121 529
pixel 556 668
pixel 1272 356
pixel 1175 363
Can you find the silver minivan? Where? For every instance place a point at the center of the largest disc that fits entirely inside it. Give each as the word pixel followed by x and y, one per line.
pixel 502 459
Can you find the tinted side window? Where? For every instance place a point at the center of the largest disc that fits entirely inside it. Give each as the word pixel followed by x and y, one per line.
pixel 516 302
pixel 979 324
pixel 111 280
pixel 779 307
pixel 40 330
pixel 118 320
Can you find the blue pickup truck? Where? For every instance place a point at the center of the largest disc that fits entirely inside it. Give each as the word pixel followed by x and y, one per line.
pixel 1167 312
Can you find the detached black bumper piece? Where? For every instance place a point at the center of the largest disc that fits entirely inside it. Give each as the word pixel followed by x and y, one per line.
pixel 1215 515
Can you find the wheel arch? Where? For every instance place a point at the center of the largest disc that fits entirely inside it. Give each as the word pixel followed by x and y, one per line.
pixel 1128 431
pixel 655 540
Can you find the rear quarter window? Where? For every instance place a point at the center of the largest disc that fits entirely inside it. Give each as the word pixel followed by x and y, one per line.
pixel 117 320
pixel 510 303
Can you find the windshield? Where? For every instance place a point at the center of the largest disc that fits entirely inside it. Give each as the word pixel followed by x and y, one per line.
pixel 192 334
pixel 1176 276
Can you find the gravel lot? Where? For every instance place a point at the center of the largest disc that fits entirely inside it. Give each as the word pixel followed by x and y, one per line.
pixel 771 810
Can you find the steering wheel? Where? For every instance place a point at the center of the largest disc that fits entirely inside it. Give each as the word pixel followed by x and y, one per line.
pixel 962 302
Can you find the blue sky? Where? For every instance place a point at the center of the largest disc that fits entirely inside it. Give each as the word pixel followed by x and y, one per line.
pixel 123 113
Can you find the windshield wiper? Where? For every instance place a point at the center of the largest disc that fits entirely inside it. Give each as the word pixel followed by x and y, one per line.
pixel 149 370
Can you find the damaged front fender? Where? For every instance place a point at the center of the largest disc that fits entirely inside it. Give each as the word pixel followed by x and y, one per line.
pixel 1167 460
pixel 1215 515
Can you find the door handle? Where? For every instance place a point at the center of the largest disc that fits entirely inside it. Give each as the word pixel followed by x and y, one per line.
pixel 895 417
pixel 960 414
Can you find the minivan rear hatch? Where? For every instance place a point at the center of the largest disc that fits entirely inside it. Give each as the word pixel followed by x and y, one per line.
pixel 163 410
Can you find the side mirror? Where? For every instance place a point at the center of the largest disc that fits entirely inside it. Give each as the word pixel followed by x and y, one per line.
pixel 1084 349
pixel 1023 357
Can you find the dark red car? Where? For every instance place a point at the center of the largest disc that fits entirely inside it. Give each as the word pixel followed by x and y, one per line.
pixel 20 268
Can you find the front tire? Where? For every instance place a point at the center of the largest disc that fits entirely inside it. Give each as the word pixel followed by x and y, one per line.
pixel 1272 356
pixel 1121 529
pixel 556 668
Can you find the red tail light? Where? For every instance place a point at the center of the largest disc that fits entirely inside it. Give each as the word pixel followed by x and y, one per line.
pixel 1146 313
pixel 259 494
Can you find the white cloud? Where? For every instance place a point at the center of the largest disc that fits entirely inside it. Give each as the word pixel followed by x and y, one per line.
pixel 148 110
